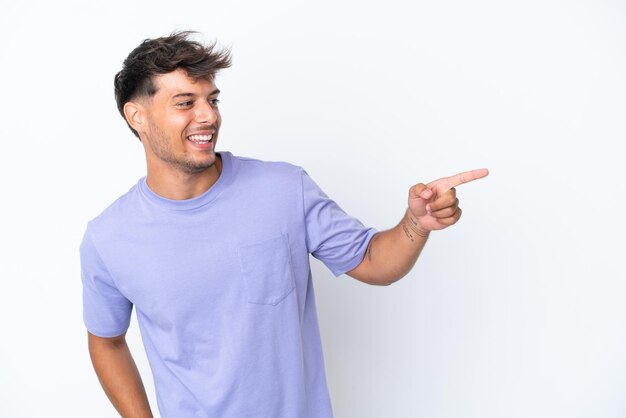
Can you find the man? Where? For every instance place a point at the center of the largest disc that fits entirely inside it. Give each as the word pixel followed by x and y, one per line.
pixel 212 250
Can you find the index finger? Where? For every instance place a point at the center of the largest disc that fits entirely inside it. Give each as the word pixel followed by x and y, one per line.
pixel 464 177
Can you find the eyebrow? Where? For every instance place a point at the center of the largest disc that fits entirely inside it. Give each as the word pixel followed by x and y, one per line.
pixel 176 96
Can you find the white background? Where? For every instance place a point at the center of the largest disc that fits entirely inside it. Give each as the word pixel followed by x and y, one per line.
pixel 517 311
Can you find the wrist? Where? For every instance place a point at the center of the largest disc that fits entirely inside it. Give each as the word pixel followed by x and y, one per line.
pixel 414 227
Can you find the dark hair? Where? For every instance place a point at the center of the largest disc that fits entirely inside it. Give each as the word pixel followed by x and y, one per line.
pixel 161 56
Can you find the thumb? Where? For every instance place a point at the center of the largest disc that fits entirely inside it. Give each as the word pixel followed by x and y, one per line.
pixel 418 199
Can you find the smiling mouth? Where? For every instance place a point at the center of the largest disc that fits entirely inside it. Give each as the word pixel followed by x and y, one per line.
pixel 200 139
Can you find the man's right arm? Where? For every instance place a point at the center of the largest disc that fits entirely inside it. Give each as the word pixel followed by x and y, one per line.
pixel 119 376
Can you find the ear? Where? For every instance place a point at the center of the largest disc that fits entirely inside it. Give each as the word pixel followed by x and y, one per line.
pixel 135 114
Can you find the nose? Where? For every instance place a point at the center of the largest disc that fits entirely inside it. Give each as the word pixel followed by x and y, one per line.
pixel 206 112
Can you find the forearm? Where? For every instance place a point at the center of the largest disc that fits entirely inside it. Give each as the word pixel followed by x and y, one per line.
pixel 119 376
pixel 392 254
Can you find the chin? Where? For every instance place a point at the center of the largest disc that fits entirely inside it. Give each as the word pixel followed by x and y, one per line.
pixel 201 166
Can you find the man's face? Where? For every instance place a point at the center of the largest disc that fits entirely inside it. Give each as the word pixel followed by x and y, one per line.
pixel 183 122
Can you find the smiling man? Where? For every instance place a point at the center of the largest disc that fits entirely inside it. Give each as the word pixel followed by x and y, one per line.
pixel 212 251
pixel 181 122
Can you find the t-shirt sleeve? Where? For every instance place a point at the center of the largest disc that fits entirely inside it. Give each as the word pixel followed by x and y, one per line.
pixel 106 312
pixel 332 236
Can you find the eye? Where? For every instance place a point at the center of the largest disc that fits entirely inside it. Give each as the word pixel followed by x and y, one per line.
pixel 214 102
pixel 185 104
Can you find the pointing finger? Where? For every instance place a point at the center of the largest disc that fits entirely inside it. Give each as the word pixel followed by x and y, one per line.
pixel 462 178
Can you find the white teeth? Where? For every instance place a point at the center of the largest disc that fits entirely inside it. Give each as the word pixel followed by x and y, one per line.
pixel 200 138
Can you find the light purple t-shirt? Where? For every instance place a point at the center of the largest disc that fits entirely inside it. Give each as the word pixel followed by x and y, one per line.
pixel 222 288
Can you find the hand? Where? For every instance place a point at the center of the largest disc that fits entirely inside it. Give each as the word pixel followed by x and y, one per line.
pixel 434 206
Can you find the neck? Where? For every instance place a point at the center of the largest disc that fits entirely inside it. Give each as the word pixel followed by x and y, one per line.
pixel 176 185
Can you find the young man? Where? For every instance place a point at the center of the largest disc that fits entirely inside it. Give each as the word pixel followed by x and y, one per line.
pixel 212 250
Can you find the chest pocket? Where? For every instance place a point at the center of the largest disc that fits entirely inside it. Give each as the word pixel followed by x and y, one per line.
pixel 266 270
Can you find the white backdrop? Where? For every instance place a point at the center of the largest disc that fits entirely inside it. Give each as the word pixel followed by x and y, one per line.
pixel 517 311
